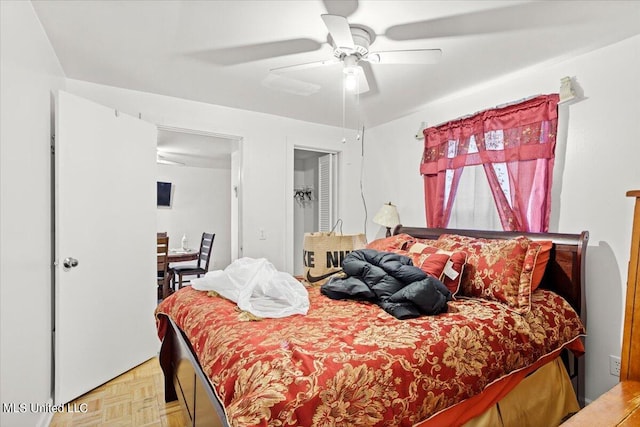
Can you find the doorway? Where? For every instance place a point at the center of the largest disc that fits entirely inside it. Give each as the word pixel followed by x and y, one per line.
pixel 314 197
pixel 204 171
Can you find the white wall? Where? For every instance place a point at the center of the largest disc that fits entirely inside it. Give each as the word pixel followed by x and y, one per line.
pixel 200 203
pixel 601 164
pixel 29 71
pixel 267 161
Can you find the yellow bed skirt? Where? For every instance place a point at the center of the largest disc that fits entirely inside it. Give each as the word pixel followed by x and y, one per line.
pixel 544 398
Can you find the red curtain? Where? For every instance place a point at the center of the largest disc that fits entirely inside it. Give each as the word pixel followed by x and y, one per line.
pixel 516 146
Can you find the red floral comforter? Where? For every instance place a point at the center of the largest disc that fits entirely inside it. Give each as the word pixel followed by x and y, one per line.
pixel 350 363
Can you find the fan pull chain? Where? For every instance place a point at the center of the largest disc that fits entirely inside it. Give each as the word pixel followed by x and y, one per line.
pixel 344 139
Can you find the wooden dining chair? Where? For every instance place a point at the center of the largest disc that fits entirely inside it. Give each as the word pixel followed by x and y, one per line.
pixel 163 266
pixel 202 263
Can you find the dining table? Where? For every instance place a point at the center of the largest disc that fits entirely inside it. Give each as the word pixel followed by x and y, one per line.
pixel 180 255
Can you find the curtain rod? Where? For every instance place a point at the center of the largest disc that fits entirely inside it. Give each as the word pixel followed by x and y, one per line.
pixel 506 104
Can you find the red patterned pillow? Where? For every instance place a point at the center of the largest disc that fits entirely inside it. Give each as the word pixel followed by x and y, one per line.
pixel 388 244
pixel 496 268
pixel 430 260
pixel 450 263
pixel 540 262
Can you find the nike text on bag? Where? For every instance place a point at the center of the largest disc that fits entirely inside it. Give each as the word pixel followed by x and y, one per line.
pixel 324 253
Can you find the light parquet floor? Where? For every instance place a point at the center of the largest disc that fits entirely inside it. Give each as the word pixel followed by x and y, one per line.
pixel 135 398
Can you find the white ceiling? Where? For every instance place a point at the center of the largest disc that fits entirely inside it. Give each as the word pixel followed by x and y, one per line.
pixel 220 52
pixel 181 147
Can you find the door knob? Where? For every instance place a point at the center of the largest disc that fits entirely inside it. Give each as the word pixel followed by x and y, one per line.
pixel 69 263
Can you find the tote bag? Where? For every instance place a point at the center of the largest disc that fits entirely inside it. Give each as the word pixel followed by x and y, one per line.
pixel 324 252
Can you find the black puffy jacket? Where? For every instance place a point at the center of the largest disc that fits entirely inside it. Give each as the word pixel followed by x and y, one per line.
pixel 391 281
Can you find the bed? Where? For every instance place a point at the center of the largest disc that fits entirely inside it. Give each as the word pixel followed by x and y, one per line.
pixel 351 363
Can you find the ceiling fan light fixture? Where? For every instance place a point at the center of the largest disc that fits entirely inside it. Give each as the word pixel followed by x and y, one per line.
pixel 350 79
pixel 350 71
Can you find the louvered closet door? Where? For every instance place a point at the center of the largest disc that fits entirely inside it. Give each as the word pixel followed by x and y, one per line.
pixel 326 191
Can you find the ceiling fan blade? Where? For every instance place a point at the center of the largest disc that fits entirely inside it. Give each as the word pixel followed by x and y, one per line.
pixel 371 78
pixel 340 7
pixel 489 21
pixel 363 84
pixel 340 31
pixel 411 57
pixel 254 52
pixel 304 66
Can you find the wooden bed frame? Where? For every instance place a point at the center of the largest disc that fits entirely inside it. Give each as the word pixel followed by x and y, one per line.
pixel 185 380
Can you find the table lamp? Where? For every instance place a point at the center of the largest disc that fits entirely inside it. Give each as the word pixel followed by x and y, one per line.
pixel 387 216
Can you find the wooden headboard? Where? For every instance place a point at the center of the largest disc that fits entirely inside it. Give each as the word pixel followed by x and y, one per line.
pixel 565 270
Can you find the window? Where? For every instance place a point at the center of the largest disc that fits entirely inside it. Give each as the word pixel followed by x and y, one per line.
pixel 515 146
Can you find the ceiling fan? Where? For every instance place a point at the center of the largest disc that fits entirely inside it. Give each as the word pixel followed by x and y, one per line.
pixel 351 46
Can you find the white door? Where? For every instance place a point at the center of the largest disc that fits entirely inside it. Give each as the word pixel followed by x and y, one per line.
pixel 326 192
pixel 105 225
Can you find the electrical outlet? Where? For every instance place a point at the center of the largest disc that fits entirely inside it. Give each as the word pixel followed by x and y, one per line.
pixel 614 365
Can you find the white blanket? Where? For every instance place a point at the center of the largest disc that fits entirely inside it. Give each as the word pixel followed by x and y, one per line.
pixel 257 287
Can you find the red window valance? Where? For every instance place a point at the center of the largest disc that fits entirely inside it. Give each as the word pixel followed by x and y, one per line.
pixel 516 145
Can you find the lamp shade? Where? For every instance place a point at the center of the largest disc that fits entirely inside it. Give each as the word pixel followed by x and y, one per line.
pixel 387 216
